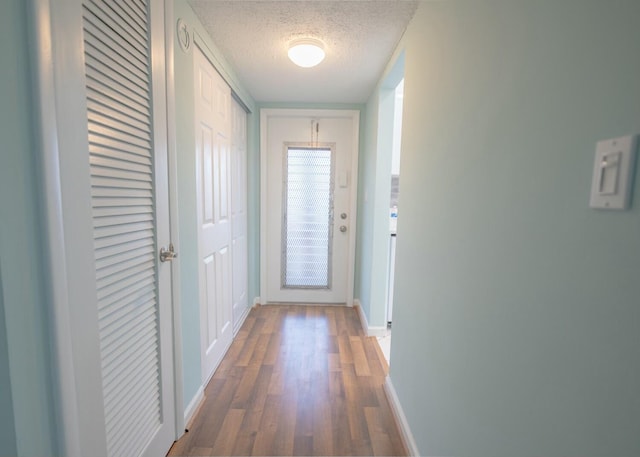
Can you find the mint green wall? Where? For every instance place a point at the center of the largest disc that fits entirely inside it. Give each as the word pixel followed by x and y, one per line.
pixel 7 431
pixel 517 318
pixel 382 197
pixel 188 257
pixel 185 146
pixel 25 379
pixel 366 192
pixel 253 203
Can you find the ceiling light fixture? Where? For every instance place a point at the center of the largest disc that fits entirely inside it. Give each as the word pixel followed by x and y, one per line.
pixel 306 52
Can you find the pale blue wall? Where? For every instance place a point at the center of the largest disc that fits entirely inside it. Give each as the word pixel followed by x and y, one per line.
pixel 25 377
pixel 188 258
pixel 517 325
pixel 7 430
pixel 185 145
pixel 366 192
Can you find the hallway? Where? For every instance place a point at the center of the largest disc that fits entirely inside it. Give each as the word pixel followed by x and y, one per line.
pixel 297 380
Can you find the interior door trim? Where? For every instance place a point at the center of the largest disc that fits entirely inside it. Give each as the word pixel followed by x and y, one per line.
pixel 55 264
pixel 265 114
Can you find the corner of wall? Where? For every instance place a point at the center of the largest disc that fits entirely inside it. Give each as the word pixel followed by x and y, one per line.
pixel 366 328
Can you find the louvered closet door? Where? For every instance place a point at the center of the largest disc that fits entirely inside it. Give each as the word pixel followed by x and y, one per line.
pixel 129 210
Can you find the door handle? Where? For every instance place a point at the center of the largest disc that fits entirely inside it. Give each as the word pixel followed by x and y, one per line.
pixel 167 255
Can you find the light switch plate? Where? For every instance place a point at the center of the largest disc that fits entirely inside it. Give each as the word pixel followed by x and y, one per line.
pixel 613 173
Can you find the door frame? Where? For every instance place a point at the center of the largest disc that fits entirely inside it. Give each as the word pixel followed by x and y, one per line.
pixel 265 115
pixel 64 263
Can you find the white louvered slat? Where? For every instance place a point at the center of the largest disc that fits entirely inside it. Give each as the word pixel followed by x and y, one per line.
pixel 122 190
pixel 96 104
pixel 133 435
pixel 118 173
pixel 95 98
pixel 108 157
pixel 108 252
pixel 129 139
pixel 105 203
pixel 110 270
pixel 110 318
pixel 119 257
pixel 132 48
pixel 132 280
pixel 97 74
pixel 111 285
pixel 109 242
pixel 115 145
pixel 116 192
pixel 123 338
pixel 122 101
pixel 134 43
pixel 131 22
pixel 132 74
pixel 124 218
pixel 117 302
pixel 107 183
pixel 100 116
pixel 105 211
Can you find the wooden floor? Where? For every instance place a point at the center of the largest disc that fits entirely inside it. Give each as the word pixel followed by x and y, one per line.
pixel 297 380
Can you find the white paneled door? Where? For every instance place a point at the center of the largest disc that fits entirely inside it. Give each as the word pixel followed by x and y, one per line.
pixel 214 211
pixel 309 205
pixel 239 212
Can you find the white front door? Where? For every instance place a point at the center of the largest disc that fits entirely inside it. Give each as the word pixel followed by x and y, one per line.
pixel 309 205
pixel 213 194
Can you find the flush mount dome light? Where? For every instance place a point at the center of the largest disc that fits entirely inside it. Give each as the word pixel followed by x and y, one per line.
pixel 306 52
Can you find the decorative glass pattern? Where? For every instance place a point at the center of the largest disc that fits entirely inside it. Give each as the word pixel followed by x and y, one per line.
pixel 308 218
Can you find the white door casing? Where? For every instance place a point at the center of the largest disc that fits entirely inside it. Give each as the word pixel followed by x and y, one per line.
pixel 283 129
pixel 213 197
pixel 239 212
pixel 111 139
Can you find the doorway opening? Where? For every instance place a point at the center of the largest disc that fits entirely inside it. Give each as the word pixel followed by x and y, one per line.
pixel 396 133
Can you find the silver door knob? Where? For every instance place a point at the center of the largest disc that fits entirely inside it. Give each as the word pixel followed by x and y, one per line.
pixel 167 255
pixel 343 228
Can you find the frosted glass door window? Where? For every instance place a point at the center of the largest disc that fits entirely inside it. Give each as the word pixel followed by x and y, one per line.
pixel 308 218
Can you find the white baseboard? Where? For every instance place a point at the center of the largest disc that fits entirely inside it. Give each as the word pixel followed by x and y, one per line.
pixel 238 325
pixel 377 331
pixel 369 331
pixel 256 301
pixel 405 431
pixel 363 318
pixel 193 406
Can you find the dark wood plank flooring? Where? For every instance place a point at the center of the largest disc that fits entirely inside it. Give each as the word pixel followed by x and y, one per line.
pixel 297 380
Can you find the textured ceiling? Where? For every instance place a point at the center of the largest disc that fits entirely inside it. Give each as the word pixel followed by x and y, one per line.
pixel 359 36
